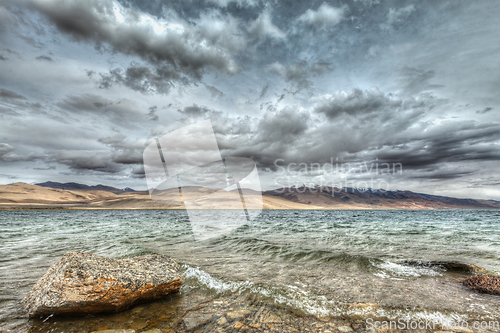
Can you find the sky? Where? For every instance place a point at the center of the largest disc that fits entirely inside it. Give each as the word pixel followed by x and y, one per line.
pixel 403 95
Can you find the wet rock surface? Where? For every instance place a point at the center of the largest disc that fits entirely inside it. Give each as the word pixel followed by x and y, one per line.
pixel 84 283
pixel 194 311
pixel 484 283
pixel 451 266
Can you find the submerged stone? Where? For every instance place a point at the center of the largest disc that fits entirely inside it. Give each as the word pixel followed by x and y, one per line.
pixel 82 283
pixel 484 283
pixel 451 266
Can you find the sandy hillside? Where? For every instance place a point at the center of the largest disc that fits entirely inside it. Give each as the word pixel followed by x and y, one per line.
pixel 25 196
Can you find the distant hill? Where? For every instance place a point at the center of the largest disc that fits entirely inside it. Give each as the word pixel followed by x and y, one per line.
pixel 331 197
pixel 83 187
pixel 53 195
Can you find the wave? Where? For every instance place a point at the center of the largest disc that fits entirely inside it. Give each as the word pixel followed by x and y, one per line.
pixel 290 251
pixel 394 270
pixel 305 301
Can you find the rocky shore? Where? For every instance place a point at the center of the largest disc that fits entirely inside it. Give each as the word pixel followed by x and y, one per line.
pixel 79 279
pixel 192 311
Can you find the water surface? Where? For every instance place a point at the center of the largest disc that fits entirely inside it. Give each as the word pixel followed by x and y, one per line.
pixel 323 263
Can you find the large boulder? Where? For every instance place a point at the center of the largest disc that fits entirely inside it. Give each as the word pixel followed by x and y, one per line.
pixel 484 283
pixel 82 283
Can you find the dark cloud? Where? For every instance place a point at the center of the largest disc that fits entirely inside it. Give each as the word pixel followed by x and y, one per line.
pixel 196 111
pixel 159 80
pixel 48 168
pixel 124 151
pixel 357 102
pixel 5 149
pixel 265 139
pixel 283 126
pixel 9 94
pixel 483 111
pixel 119 110
pixel 7 154
pixel 300 74
pixel 214 92
pixel 86 160
pixel 152 113
pixel 449 142
pixel 44 58
pixel 263 92
pixel 115 141
pixel 128 157
pixel 321 68
pixel 138 172
pixel 210 41
pixel 262 72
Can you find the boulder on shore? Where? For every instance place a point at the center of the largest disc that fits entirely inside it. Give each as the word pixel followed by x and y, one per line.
pixel 83 283
pixel 484 283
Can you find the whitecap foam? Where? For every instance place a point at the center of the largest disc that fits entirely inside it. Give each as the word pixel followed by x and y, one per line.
pixel 391 269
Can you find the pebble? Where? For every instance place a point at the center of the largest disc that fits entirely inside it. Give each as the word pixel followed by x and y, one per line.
pixel 222 321
pixel 238 314
pixel 196 319
pixel 115 331
pixel 238 325
pixel 271 318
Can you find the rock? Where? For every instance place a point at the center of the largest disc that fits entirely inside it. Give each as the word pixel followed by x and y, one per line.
pixel 271 318
pixel 450 266
pixel 195 319
pixel 238 325
pixel 83 283
pixel 222 321
pixel 344 329
pixel 114 331
pixel 484 283
pixel 238 314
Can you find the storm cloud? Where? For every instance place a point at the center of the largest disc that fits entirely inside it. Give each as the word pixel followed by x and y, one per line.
pixel 87 85
pixel 186 47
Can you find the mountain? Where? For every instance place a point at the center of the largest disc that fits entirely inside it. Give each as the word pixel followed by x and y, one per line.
pixel 332 197
pixel 52 195
pixel 83 187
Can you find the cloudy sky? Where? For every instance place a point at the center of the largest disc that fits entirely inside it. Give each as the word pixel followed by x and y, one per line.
pixel 86 85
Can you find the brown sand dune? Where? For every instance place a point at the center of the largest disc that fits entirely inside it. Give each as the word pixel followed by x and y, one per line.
pixel 25 196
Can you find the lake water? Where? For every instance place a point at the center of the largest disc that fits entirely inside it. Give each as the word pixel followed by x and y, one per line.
pixel 321 262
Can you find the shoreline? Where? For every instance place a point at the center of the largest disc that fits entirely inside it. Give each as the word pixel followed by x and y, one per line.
pixel 194 310
pixel 56 207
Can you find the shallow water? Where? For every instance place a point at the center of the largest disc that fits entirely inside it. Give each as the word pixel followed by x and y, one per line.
pixel 322 263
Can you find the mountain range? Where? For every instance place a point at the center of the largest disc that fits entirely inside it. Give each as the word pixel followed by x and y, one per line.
pixel 54 195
